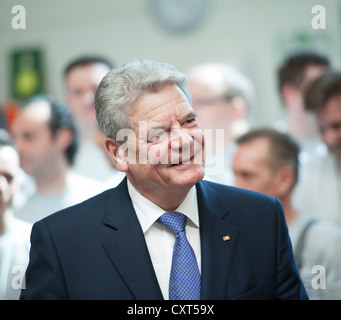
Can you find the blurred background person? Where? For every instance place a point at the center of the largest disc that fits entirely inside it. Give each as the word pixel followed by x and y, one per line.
pixel 222 98
pixel 266 161
pixel 14 233
pixel 25 182
pixel 116 175
pixel 82 77
pixel 3 120
pixel 293 77
pixel 320 187
pixel 47 142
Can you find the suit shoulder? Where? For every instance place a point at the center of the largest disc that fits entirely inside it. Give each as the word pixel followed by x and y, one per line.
pixel 80 211
pixel 240 203
pixel 227 192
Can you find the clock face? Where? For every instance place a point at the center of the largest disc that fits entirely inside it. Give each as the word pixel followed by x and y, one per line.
pixel 178 15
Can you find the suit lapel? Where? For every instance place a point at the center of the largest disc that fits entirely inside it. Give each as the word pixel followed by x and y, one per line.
pixel 127 249
pixel 216 254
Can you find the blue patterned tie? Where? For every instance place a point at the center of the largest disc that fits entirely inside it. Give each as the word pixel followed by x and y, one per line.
pixel 184 283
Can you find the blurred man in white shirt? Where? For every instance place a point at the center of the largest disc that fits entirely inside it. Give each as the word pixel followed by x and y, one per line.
pixel 47 142
pixel 222 97
pixel 294 75
pixel 14 233
pixel 320 187
pixel 267 161
pixel 82 77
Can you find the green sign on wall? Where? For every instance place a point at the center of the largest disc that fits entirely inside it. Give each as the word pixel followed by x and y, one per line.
pixel 27 73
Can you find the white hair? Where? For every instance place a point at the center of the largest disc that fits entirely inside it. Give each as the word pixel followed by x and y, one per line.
pixel 120 88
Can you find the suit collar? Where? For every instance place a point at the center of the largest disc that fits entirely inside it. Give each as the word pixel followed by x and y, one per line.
pixel 118 207
pixel 148 212
pixel 126 247
pixel 128 251
pixel 209 199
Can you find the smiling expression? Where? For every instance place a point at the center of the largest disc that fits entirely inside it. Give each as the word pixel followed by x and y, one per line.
pixel 171 141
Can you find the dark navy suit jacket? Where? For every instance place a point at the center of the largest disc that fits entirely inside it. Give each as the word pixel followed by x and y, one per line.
pixel 97 250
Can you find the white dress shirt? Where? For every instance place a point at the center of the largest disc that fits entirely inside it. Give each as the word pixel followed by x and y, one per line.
pixel 318 191
pixel 160 240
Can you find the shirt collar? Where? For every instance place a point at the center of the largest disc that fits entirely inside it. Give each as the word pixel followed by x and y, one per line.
pixel 148 212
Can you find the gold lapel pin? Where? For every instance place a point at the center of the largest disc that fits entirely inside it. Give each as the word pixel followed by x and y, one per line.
pixel 226 238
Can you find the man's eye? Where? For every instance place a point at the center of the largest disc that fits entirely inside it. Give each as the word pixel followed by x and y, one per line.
pixel 155 136
pixel 76 92
pixel 190 121
pixel 247 175
pixel 336 126
pixel 28 136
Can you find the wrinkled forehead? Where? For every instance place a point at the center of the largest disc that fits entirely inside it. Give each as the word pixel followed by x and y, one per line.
pixel 168 103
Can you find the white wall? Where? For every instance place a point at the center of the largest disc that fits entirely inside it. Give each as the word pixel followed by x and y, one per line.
pixel 252 34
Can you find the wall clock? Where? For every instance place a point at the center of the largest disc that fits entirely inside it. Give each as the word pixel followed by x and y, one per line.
pixel 178 15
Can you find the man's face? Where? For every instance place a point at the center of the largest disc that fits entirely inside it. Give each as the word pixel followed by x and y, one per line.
pixel 9 166
pixel 251 167
pixel 169 137
pixel 294 98
pixel 329 122
pixel 81 85
pixel 214 111
pixel 37 149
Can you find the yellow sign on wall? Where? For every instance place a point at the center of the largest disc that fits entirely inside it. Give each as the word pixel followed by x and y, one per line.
pixel 27 73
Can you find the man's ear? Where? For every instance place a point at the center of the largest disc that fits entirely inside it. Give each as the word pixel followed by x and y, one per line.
pixel 288 93
pixel 64 138
pixel 116 154
pixel 286 180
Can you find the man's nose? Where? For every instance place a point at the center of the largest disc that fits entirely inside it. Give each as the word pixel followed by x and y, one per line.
pixel 180 139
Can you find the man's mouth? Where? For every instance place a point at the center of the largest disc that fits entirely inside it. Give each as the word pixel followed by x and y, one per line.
pixel 183 162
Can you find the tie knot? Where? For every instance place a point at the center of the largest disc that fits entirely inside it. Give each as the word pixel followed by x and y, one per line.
pixel 174 221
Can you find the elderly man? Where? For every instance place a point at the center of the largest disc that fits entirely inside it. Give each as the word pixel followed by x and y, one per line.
pixel 162 233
